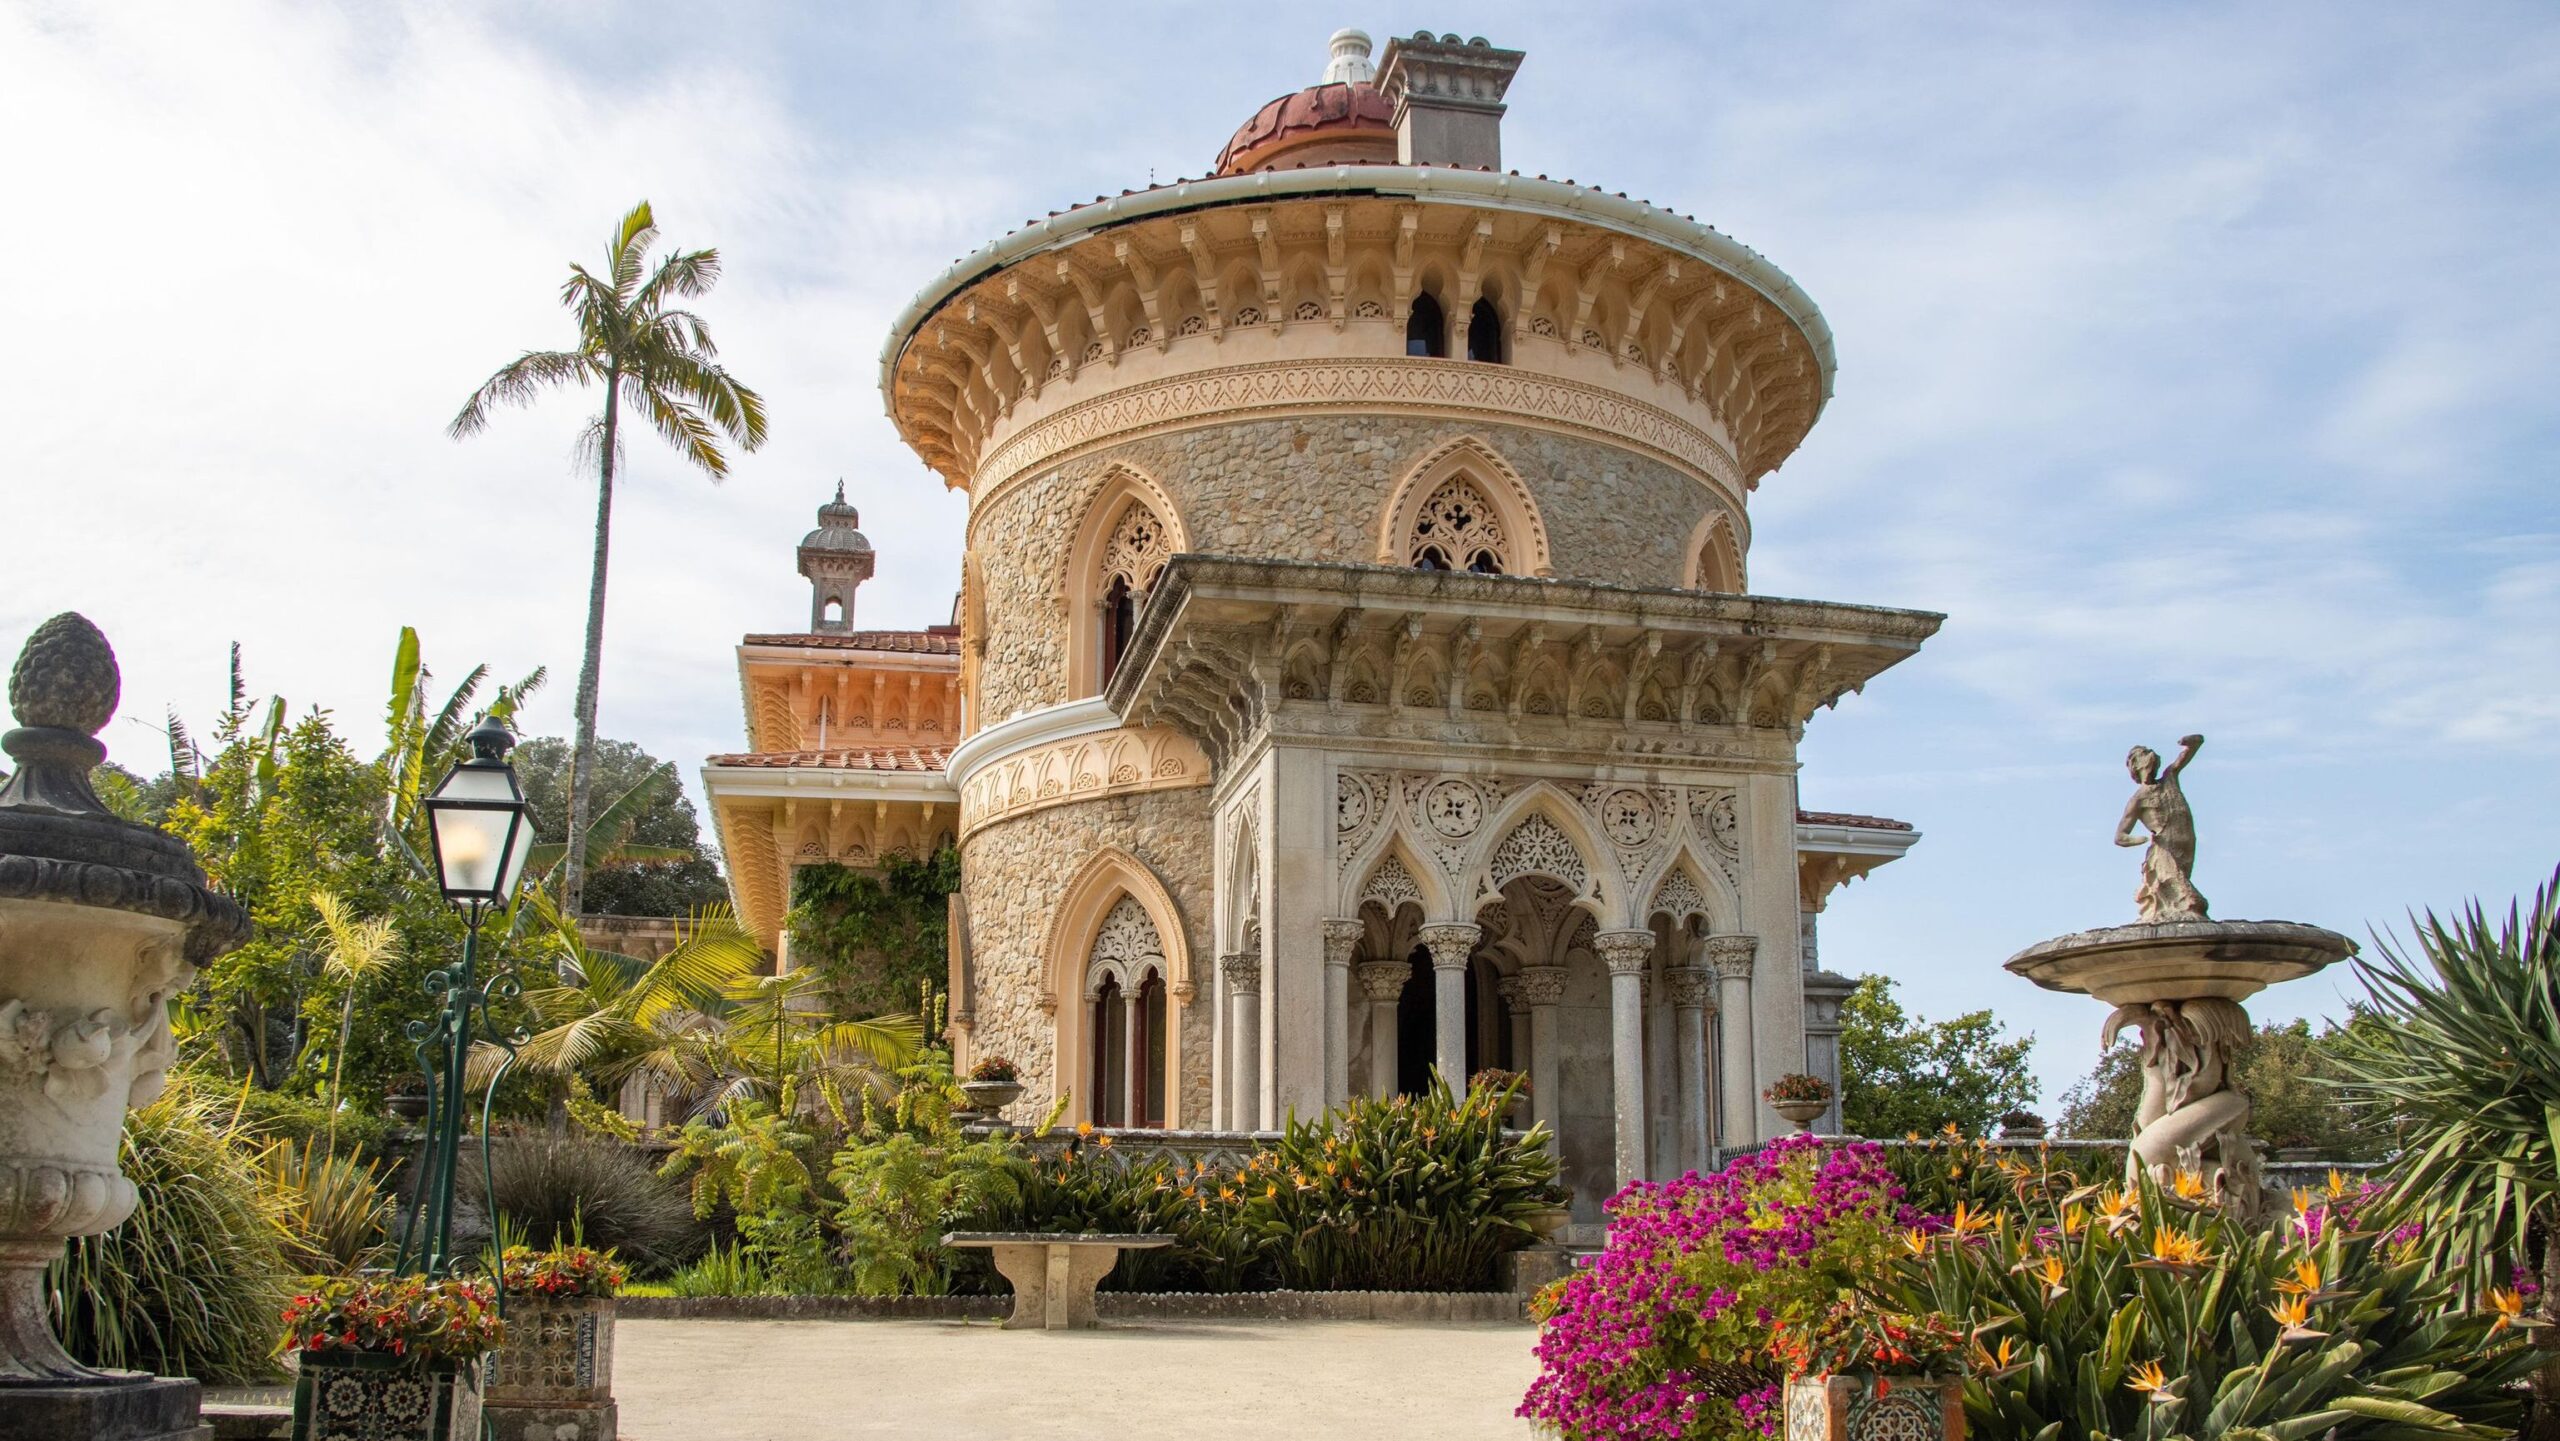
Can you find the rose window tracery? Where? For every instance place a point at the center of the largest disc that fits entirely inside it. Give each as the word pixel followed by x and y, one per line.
pixel 1458 529
pixel 1137 549
pixel 1538 847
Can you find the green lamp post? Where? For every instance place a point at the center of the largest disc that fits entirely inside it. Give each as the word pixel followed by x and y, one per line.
pixel 482 831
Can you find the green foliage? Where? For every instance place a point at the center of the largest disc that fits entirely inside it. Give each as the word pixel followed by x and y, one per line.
pixel 192 1282
pixel 336 1215
pixel 878 937
pixel 905 1171
pixel 1941 1172
pixel 572 1190
pixel 2135 1315
pixel 1409 1193
pixel 723 1271
pixel 1904 1075
pixel 644 845
pixel 2290 1073
pixel 2467 1053
pixel 301 1119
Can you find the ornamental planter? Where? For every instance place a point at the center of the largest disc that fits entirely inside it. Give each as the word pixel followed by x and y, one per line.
pixel 1802 1114
pixel 1875 1408
pixel 991 1097
pixel 368 1396
pixel 554 1376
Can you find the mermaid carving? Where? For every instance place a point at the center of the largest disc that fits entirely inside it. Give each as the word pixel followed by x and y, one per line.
pixel 2192 1119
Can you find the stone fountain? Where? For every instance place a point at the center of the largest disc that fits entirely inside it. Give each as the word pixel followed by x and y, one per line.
pixel 101 922
pixel 2180 976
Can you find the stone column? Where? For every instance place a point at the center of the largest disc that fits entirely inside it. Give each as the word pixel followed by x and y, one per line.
pixel 1730 956
pixel 1450 944
pixel 1133 1055
pixel 1693 1000
pixel 1509 989
pixel 1383 982
pixel 1243 971
pixel 1341 938
pixel 1823 994
pixel 1542 990
pixel 1627 954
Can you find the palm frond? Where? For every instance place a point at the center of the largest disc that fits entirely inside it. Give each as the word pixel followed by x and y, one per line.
pixel 732 406
pixel 681 276
pixel 683 427
pixel 520 382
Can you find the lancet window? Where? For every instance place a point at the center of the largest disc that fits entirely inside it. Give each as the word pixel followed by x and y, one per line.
pixel 1426 329
pixel 1458 529
pixel 1126 1014
pixel 1484 333
pixel 1132 557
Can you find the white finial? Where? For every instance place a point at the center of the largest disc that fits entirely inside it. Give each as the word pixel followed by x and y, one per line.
pixel 1350 64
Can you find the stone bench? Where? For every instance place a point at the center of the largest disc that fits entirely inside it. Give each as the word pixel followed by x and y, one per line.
pixel 1053 1276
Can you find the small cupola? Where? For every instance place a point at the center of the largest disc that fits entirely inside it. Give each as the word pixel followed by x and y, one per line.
pixel 837 558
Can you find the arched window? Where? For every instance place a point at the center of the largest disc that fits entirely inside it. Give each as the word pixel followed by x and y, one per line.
pixel 1426 331
pixel 833 614
pixel 1127 1032
pixel 1484 333
pixel 1132 558
pixel 1457 529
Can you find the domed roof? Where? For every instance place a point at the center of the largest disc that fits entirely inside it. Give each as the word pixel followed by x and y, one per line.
pixel 839 527
pixel 1346 112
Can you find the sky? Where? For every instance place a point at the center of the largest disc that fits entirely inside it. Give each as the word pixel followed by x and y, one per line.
pixel 2198 361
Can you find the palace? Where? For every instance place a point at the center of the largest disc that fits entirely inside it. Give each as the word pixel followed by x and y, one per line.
pixel 1354 671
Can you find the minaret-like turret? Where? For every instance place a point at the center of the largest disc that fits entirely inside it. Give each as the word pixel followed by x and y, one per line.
pixel 836 557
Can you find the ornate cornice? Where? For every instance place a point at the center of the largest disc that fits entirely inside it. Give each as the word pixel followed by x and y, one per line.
pixel 1119 762
pixel 1455 389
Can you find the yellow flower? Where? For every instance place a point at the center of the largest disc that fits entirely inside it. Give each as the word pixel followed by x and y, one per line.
pixel 2508 1307
pixel 1084 1128
pixel 2051 1272
pixel 1104 1143
pixel 2188 1185
pixel 2305 1280
pixel 2302 1201
pixel 1911 1136
pixel 2175 1248
pixel 2074 1221
pixel 2337 1183
pixel 1966 1222
pixel 2151 1381
pixel 1987 1360
pixel 1916 1242
pixel 2292 1312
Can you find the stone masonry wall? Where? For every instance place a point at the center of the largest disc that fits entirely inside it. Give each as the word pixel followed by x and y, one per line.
pixel 1014 874
pixel 1305 488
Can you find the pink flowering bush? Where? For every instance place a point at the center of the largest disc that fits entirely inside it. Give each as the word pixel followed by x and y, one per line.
pixel 1666 1335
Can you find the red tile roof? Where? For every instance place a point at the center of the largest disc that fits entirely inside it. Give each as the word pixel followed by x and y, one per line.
pixel 940 640
pixel 1848 818
pixel 1335 108
pixel 845 758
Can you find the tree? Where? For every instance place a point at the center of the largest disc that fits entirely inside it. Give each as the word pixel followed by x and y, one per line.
pixel 651 354
pixel 1900 1073
pixel 644 848
pixel 2290 1074
pixel 879 938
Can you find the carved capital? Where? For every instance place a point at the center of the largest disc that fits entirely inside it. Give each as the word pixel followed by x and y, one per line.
pixel 1693 988
pixel 1243 970
pixel 1626 953
pixel 1384 980
pixel 1731 956
pixel 1450 943
pixel 1541 985
pixel 1341 938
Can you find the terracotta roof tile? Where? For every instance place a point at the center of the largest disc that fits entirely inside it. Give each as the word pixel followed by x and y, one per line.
pixel 1850 819
pixel 845 758
pixel 940 640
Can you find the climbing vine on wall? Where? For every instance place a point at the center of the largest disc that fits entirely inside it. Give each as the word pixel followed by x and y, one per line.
pixel 879 935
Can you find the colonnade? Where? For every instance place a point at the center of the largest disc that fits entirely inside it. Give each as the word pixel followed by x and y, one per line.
pixel 1716 982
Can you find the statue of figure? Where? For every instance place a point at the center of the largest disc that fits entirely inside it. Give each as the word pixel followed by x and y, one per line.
pixel 2168 890
pixel 2192 1118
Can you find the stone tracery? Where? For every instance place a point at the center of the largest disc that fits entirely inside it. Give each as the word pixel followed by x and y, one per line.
pixel 1458 529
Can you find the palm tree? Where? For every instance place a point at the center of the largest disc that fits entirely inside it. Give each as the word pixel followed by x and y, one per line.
pixel 356 950
pixel 650 353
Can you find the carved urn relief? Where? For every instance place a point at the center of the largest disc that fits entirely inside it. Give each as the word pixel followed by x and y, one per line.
pixel 101 922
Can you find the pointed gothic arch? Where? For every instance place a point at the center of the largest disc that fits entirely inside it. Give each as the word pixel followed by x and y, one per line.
pixel 1512 510
pixel 1093 903
pixel 1540 831
pixel 1714 558
pixel 1129 529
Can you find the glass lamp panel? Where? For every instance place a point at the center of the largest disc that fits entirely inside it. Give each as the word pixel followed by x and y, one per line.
pixel 520 843
pixel 470 846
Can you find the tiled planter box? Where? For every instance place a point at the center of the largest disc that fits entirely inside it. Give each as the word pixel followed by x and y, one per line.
pixel 1875 1408
pixel 556 1370
pixel 384 1398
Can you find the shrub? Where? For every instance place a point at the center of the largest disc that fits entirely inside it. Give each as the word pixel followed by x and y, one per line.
pixel 1667 1335
pixel 900 1193
pixel 1410 1193
pixel 304 1120
pixel 1090 1185
pixel 191 1283
pixel 396 1316
pixel 564 1190
pixel 2144 1316
pixel 337 1216
pixel 722 1271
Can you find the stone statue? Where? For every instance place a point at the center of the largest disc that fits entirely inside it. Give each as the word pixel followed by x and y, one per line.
pixel 2192 1118
pixel 2168 890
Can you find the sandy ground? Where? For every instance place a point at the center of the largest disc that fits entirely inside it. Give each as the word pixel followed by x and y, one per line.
pixel 947 1381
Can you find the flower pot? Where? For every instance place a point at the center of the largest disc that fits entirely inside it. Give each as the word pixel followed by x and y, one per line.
pixel 1802 1113
pixel 405 1105
pixel 554 1376
pixel 991 1097
pixel 1875 1408
pixel 1549 1221
pixel 368 1396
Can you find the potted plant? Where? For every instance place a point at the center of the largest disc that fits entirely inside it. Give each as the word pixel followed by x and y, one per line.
pixel 554 1376
pixel 2021 1126
pixel 391 1358
pixel 1799 1097
pixel 406 1098
pixel 1554 1213
pixel 993 1084
pixel 1858 1370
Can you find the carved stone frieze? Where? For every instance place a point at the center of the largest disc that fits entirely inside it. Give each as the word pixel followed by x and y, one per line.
pixel 1119 762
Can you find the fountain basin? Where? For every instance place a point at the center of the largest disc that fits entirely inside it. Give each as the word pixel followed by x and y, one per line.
pixel 2180 960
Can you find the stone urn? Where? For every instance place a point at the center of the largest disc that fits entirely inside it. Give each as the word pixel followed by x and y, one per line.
pixel 101 922
pixel 554 1376
pixel 1875 1408
pixel 1801 1114
pixel 1548 1222
pixel 989 1098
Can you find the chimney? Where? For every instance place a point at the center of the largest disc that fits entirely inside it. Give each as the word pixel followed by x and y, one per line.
pixel 1448 99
